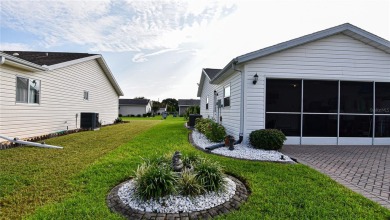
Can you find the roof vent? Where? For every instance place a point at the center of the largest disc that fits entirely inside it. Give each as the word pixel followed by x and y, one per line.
pixel 15 54
pixel 47 54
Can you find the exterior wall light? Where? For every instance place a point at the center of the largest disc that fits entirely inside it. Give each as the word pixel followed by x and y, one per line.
pixel 215 93
pixel 255 78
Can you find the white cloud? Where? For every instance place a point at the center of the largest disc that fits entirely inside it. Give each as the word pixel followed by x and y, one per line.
pixel 141 57
pixel 14 46
pixel 111 25
pixel 170 41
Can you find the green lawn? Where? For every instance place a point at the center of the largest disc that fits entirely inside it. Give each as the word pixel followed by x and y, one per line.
pixel 157 117
pixel 73 183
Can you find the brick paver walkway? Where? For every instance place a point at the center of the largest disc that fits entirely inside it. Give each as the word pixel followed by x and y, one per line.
pixel 364 169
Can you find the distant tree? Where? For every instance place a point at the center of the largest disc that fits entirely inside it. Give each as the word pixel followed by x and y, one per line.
pixel 141 97
pixel 156 106
pixel 195 109
pixel 172 104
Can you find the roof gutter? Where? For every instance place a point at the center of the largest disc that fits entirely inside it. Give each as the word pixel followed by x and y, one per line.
pixel 20 63
pixel 109 75
pixel 225 69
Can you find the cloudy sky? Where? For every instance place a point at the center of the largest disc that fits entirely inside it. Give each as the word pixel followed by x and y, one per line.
pixel 157 49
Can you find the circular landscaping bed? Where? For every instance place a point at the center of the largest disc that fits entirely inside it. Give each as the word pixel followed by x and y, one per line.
pixel 171 188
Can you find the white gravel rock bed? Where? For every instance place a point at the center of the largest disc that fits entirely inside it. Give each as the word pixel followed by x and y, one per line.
pixel 241 151
pixel 176 203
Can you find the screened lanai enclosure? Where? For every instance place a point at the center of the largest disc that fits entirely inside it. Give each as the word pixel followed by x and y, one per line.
pixel 329 111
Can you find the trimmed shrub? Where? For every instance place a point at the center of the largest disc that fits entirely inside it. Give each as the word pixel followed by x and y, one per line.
pixel 153 181
pixel 212 130
pixel 201 124
pixel 215 132
pixel 118 120
pixel 267 139
pixel 210 175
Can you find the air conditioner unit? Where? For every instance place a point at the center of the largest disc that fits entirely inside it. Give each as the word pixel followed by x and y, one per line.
pixel 89 120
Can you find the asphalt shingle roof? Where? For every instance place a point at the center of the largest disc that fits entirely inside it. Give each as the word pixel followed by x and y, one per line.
pixel 211 72
pixel 47 58
pixel 133 101
pixel 188 102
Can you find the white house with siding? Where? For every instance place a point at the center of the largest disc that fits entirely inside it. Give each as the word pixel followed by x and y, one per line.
pixel 134 107
pixel 330 87
pixel 45 92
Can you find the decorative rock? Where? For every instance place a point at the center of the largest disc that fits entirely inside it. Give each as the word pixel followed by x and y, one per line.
pixel 117 204
pixel 240 151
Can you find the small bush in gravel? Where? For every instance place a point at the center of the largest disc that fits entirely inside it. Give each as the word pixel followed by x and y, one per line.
pixel 210 175
pixel 267 139
pixel 201 124
pixel 153 181
pixel 216 132
pixel 212 130
pixel 189 185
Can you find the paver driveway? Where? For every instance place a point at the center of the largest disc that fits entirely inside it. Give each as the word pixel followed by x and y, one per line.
pixel 364 169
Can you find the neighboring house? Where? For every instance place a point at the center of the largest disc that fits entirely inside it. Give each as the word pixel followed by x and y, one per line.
pixel 208 94
pixel 329 87
pixel 161 110
pixel 185 103
pixel 45 92
pixel 134 106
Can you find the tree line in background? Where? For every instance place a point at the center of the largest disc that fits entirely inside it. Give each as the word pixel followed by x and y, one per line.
pixel 171 104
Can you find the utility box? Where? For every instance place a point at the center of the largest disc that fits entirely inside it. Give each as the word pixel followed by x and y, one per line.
pixel 192 119
pixel 89 120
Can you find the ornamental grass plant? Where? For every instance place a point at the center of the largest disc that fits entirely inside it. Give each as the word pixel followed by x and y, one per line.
pixel 210 175
pixel 155 178
pixel 153 181
pixel 188 184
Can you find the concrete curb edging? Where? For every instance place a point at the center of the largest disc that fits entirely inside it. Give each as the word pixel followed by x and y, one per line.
pixel 116 205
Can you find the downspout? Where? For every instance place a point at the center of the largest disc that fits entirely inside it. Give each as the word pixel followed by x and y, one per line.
pixel 242 112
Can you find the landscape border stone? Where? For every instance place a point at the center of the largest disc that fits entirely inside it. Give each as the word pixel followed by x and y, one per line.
pixel 191 140
pixel 116 205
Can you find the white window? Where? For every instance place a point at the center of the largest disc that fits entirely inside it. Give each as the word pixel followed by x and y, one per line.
pixel 86 95
pixel 207 102
pixel 226 96
pixel 28 90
